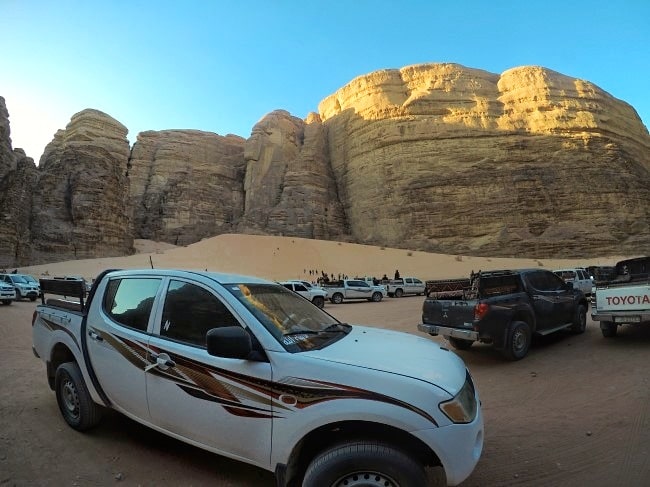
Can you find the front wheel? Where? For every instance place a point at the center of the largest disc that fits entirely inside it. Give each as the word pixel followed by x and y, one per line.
pixel 579 320
pixel 517 341
pixel 376 297
pixel 319 301
pixel 337 298
pixel 77 407
pixel 368 464
pixel 7 301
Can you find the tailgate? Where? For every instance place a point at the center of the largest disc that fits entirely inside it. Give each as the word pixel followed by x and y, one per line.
pixel 626 298
pixel 447 312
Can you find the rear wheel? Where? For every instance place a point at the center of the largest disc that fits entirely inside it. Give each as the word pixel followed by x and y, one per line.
pixel 579 320
pixel 399 293
pixel 518 341
pixel 460 344
pixel 18 295
pixel 376 297
pixel 7 301
pixel 76 405
pixel 337 298
pixel 364 464
pixel 319 301
pixel 608 328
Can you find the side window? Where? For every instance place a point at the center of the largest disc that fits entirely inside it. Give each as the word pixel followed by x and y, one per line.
pixel 543 281
pixel 417 281
pixel 581 274
pixel 288 286
pixel 190 311
pixel 129 301
pixel 300 288
pixel 552 281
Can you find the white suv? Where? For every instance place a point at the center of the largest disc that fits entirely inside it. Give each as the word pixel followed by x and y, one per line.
pixel 312 293
pixel 579 277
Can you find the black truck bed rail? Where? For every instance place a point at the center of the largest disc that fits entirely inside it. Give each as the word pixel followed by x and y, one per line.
pixel 73 288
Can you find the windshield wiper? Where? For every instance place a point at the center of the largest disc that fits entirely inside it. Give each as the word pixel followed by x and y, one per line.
pixel 301 332
pixel 333 328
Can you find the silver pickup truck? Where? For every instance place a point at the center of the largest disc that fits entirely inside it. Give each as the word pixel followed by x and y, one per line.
pixel 354 289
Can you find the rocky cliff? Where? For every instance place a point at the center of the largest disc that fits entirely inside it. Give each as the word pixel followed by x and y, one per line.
pixel 434 157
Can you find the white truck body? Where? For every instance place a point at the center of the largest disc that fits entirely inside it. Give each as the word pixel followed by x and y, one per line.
pixel 275 377
pixel 579 277
pixel 354 289
pixel 625 299
pixel 7 293
pixel 314 294
pixel 406 285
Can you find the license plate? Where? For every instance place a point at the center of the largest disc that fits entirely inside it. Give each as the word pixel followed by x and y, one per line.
pixel 627 319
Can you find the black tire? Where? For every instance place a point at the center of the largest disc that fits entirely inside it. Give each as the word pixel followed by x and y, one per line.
pixel 364 463
pixel 460 344
pixel 7 301
pixel 579 320
pixel 608 329
pixel 33 298
pixel 517 341
pixel 376 297
pixel 319 301
pixel 18 295
pixel 399 293
pixel 76 406
pixel 337 298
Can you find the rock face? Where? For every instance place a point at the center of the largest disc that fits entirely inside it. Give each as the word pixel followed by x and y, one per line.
pixel 290 188
pixel 80 203
pixel 444 158
pixel 436 157
pixel 186 185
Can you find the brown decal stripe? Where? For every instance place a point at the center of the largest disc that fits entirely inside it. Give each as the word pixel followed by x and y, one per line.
pixel 50 325
pixel 203 382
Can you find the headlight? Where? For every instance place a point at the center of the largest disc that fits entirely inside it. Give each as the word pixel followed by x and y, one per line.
pixel 462 408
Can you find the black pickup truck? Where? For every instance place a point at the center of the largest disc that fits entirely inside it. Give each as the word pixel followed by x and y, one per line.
pixel 505 308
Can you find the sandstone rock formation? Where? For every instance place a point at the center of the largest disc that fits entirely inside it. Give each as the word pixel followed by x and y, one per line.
pixel 186 185
pixel 438 157
pixel 445 158
pixel 290 188
pixel 80 203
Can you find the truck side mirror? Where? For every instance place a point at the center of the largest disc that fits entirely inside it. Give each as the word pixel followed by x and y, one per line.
pixel 229 342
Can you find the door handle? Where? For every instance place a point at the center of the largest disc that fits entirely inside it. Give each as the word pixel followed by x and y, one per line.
pixel 163 361
pixel 93 334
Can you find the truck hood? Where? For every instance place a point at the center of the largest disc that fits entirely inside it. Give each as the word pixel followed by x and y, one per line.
pixel 397 353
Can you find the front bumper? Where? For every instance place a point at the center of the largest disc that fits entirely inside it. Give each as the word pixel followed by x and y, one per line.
pixel 449 332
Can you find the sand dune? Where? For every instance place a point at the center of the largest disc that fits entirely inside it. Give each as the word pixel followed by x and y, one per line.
pixel 291 258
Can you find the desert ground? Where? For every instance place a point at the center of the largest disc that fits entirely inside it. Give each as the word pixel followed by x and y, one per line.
pixel 574 412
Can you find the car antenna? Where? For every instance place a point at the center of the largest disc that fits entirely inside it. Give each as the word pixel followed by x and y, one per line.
pixel 151 261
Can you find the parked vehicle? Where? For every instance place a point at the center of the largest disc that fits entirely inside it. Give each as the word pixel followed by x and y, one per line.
pixel 623 297
pixel 23 288
pixel 245 368
pixel 354 289
pixel 314 294
pixel 505 308
pixel 7 293
pixel 579 277
pixel 406 285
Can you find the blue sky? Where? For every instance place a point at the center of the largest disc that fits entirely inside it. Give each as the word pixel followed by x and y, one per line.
pixel 221 66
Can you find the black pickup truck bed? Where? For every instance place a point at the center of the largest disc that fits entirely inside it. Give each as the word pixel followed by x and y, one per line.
pixel 505 308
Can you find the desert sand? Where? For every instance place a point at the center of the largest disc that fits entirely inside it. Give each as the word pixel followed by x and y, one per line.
pixel 574 412
pixel 280 258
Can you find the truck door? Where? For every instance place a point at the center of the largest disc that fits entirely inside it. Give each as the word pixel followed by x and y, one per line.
pixel 211 400
pixel 117 337
pixel 551 300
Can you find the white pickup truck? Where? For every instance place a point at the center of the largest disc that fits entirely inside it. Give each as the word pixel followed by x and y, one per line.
pixel 314 294
pixel 624 297
pixel 405 285
pixel 245 368
pixel 354 289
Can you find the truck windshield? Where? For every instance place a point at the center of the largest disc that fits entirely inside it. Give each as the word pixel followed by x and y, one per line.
pixel 295 322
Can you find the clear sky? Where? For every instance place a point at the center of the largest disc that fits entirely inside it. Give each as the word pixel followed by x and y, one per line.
pixel 220 66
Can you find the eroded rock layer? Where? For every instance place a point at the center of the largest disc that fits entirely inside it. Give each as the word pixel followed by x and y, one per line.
pixel 80 204
pixel 186 185
pixel 445 158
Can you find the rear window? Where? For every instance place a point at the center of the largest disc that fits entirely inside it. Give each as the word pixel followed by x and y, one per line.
pixel 498 285
pixel 129 301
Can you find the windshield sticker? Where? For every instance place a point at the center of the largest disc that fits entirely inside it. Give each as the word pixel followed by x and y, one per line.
pixel 293 339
